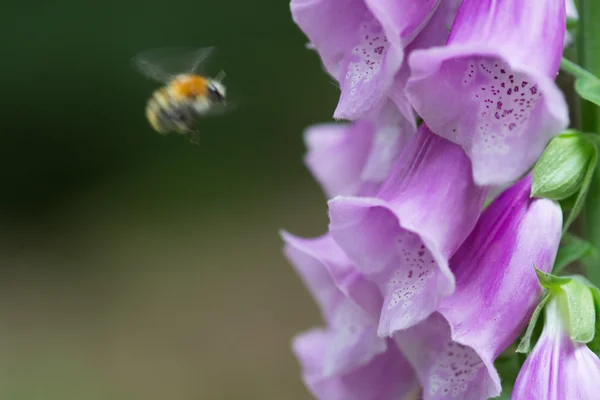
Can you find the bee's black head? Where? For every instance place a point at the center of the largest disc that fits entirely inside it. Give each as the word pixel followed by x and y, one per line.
pixel 216 91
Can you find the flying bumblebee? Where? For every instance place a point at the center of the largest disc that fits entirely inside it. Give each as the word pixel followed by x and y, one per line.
pixel 187 94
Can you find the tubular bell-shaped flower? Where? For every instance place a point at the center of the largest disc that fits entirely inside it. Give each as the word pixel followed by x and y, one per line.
pixel 402 238
pixel 388 376
pixel 491 89
pixel 362 45
pixel 335 272
pixel 351 159
pixel 453 351
pixel 558 368
pixel 351 330
pixel 347 360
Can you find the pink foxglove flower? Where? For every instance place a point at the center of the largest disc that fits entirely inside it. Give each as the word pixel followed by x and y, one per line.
pixel 347 360
pixel 453 351
pixel 335 272
pixel 352 159
pixel 402 238
pixel 491 88
pixel 388 376
pixel 558 368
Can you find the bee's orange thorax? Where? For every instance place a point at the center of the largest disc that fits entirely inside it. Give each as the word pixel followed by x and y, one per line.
pixel 190 86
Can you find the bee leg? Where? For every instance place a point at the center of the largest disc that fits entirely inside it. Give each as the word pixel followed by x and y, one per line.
pixel 190 132
pixel 194 136
pixel 182 127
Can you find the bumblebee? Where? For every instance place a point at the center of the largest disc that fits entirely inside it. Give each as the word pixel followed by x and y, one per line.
pixel 187 94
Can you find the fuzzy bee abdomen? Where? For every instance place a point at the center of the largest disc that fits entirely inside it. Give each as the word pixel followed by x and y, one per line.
pixel 167 113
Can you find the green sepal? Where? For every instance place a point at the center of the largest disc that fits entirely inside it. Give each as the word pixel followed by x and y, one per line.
pixel 525 343
pixel 549 281
pixel 585 186
pixel 486 203
pixel 582 314
pixel 572 248
pixel 560 170
pixel 567 204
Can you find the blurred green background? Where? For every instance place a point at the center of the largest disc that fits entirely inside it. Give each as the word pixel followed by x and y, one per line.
pixel 140 266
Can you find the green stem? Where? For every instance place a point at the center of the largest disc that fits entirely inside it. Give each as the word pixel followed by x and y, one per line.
pixel 588 49
pixel 574 69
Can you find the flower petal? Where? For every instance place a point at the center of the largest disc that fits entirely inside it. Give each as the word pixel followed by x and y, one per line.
pixel 371 66
pixel 387 377
pixel 491 88
pixel 354 50
pixel 337 154
pixel 336 272
pixel 496 291
pixel 496 284
pixel 446 369
pixel 402 238
pixel 352 159
pixel 435 33
pixel 402 20
pixel 392 134
pixel 514 27
pixel 331 26
pixel 371 78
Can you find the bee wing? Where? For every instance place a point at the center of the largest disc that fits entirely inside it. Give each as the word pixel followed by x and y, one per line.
pixel 216 110
pixel 163 64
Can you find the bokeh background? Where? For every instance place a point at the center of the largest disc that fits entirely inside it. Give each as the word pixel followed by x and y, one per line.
pixel 140 266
